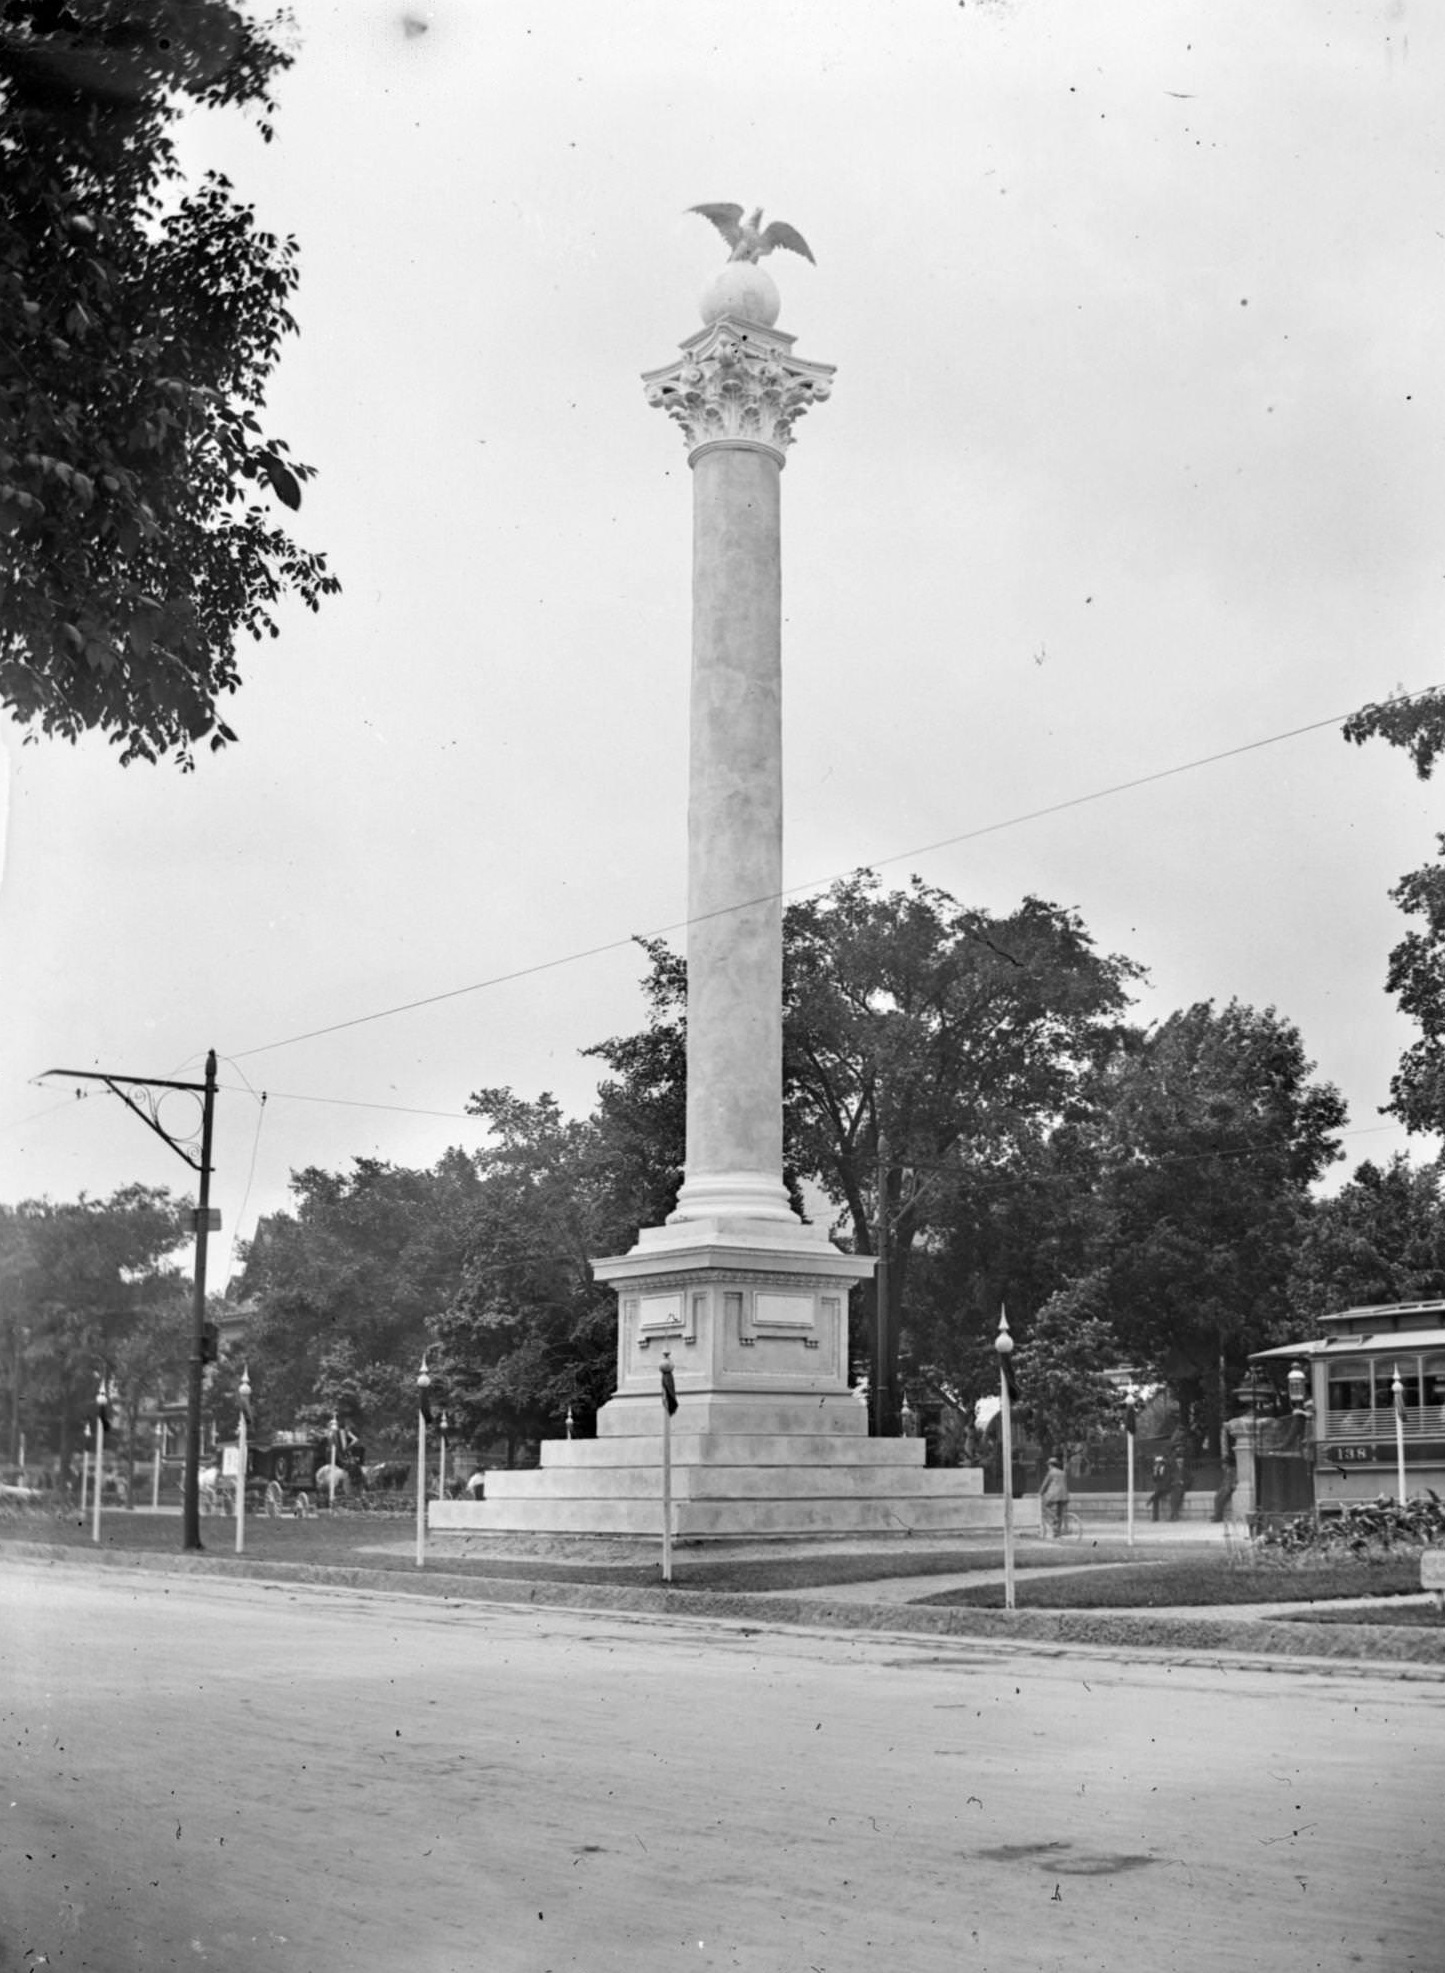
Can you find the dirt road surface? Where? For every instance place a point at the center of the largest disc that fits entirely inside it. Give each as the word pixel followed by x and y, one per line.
pixel 210 1774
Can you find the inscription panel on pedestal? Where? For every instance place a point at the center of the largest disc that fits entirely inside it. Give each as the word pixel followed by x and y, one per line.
pixel 666 1315
pixel 783 1315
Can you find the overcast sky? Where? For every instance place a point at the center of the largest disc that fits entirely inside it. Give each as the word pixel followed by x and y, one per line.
pixel 1134 456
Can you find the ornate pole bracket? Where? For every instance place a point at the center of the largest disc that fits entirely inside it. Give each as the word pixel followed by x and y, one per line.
pixel 738 383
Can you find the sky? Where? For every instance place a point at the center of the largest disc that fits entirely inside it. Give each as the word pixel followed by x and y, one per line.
pixel 1134 457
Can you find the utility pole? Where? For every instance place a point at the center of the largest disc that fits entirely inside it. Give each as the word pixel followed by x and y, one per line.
pixel 134 1092
pixel 882 1392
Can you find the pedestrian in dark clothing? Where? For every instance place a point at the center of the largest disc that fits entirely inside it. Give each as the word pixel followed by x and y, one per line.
pixel 1180 1474
pixel 1162 1477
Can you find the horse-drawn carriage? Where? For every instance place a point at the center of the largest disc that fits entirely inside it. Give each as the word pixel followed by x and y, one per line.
pixel 295 1474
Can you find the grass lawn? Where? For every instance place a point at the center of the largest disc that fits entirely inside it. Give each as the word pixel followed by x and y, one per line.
pixel 1199 1580
pixel 386 1543
pixel 1410 1616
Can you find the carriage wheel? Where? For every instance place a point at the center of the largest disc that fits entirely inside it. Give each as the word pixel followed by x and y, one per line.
pixel 275 1500
pixel 304 1508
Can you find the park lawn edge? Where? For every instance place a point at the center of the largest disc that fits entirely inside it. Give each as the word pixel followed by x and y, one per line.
pixel 1422 1651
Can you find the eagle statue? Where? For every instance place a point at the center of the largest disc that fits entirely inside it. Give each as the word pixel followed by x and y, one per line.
pixel 749 238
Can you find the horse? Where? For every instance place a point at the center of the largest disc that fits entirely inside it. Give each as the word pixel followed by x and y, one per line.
pixel 332 1479
pixel 387 1476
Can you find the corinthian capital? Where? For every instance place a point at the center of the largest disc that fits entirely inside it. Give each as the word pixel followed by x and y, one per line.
pixel 738 380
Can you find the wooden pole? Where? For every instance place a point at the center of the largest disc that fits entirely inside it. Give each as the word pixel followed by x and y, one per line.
pixel 1397 1392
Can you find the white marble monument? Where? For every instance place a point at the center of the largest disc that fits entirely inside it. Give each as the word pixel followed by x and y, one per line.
pixel 750 1301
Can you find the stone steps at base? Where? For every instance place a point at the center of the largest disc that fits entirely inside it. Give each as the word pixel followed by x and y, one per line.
pixel 720 1519
pixel 787 1412
pixel 709 1482
pixel 734 1449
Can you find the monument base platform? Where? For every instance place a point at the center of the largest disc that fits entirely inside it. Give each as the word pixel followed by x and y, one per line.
pixel 750 1317
pixel 731 1485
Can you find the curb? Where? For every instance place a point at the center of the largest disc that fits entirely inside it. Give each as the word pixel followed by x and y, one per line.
pixel 1302 1647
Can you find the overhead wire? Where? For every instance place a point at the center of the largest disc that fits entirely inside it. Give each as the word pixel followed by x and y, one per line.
pixel 817 883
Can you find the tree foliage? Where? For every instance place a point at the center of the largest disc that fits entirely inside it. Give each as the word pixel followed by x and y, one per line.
pixel 346 1290
pixel 79 1280
pixel 140 318
pixel 1213 1135
pixel 530 1334
pixel 1416 973
pixel 1068 1401
pixel 1381 1238
pixel 968 1042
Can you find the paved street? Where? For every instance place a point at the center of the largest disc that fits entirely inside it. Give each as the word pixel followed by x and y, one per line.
pixel 240 1775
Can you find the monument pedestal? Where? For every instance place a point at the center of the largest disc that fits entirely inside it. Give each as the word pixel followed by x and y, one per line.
pixel 767 1440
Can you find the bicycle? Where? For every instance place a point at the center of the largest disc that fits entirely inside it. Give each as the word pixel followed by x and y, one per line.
pixel 1070 1527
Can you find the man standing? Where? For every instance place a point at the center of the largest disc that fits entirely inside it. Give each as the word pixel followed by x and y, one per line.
pixel 1054 1498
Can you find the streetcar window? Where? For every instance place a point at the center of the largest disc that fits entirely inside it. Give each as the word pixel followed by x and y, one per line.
pixel 1349 1392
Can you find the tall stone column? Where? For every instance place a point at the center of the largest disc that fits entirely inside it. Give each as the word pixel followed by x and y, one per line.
pixel 756 1296
pixel 746 1302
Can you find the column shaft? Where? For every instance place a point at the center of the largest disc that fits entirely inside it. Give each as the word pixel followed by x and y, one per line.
pixel 735 838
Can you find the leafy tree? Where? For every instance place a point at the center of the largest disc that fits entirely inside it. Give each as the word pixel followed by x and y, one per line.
pixel 1381 1238
pixel 88 1272
pixel 966 1041
pixel 347 1288
pixel 140 318
pixel 1416 973
pixel 148 1363
pixel 1067 1398
pixel 1213 1136
pixel 530 1335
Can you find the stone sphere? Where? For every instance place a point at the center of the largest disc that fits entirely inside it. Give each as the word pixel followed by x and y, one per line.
pixel 745 291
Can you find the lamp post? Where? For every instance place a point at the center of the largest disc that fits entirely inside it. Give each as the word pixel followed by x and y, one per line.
pixel 442 1462
pixel 423 1416
pixel 243 1422
pixel 1298 1387
pixel 1397 1394
pixel 1131 1426
pixel 1003 1342
pixel 102 1419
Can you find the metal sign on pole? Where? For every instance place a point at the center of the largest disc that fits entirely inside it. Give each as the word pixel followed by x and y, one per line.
pixel 1397 1392
pixel 669 1406
pixel 1003 1342
pixel 423 1416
